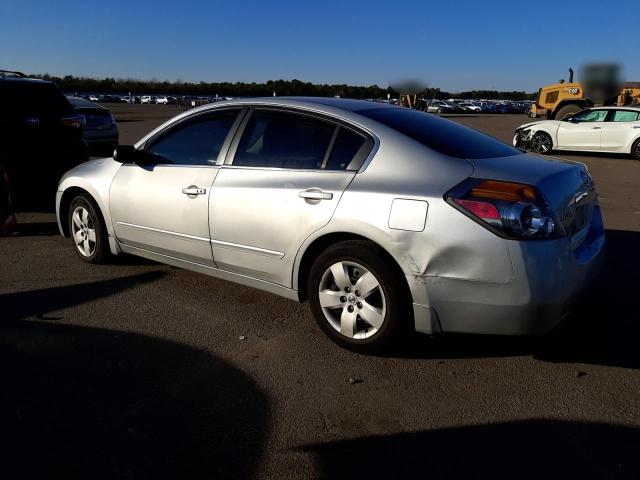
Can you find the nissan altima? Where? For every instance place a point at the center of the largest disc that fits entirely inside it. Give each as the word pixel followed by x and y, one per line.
pixel 384 218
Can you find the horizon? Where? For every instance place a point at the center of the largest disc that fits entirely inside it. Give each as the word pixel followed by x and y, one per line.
pixel 474 48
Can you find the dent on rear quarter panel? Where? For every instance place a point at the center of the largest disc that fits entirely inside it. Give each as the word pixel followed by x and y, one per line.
pixel 451 244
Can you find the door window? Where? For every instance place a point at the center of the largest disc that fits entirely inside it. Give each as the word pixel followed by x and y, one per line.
pixel 591 116
pixel 284 140
pixel 197 142
pixel 624 116
pixel 345 147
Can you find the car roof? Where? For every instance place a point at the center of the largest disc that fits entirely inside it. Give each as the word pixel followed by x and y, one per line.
pixel 24 80
pixel 78 102
pixel 347 109
pixel 626 107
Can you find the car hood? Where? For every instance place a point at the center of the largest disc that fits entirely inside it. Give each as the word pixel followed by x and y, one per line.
pixel 541 122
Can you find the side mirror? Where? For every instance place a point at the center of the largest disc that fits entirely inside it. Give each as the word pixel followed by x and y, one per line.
pixel 129 154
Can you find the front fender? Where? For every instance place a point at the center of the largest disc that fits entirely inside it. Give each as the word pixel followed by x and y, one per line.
pixel 95 178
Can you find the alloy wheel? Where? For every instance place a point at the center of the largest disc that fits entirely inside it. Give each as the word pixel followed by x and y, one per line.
pixel 540 143
pixel 83 231
pixel 352 300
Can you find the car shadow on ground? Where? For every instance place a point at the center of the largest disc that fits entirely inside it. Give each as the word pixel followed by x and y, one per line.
pixel 532 449
pixel 604 156
pixel 80 402
pixel 35 229
pixel 603 330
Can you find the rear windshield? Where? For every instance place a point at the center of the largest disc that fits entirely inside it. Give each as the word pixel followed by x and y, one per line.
pixel 439 134
pixel 32 98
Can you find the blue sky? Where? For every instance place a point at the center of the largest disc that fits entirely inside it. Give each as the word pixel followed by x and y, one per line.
pixel 455 45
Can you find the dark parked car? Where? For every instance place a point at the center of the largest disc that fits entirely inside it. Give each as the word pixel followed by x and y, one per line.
pixel 42 138
pixel 100 130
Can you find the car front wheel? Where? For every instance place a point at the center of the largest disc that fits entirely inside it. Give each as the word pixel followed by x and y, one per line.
pixel 541 143
pixel 357 298
pixel 87 230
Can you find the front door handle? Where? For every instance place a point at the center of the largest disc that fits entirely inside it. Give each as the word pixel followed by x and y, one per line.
pixel 316 194
pixel 194 190
pixel 597 128
pixel 636 126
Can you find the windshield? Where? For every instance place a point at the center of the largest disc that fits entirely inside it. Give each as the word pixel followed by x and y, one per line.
pixel 444 136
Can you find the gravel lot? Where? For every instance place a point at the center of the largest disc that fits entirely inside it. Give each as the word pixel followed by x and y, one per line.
pixel 139 370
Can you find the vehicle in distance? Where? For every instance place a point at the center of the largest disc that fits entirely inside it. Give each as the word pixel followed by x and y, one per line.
pixel 601 129
pixel 42 137
pixel 100 129
pixel 162 100
pixel 384 218
pixel 146 99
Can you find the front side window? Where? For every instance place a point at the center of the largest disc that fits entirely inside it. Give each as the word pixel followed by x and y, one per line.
pixel 624 116
pixel 591 116
pixel 284 140
pixel 197 142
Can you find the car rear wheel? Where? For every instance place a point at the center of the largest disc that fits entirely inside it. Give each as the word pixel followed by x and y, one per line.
pixel 88 232
pixel 635 150
pixel 356 297
pixel 541 143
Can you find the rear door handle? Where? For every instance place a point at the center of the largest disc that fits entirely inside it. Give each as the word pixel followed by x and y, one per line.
pixel 636 126
pixel 316 195
pixel 194 190
pixel 597 128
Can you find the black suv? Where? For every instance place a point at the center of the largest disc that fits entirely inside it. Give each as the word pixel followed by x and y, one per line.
pixel 41 137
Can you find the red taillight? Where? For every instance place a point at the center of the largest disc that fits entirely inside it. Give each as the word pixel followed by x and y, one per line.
pixel 512 210
pixel 480 209
pixel 73 121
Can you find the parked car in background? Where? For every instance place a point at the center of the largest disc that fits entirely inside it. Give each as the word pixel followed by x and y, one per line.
pixel 162 100
pixel 42 137
pixel 146 99
pixel 470 107
pixel 386 219
pixel 439 107
pixel 94 98
pixel 602 129
pixel 100 130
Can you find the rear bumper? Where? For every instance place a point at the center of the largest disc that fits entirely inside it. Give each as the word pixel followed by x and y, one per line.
pixel 549 278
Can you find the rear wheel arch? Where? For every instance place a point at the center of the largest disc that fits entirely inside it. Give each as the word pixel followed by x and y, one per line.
pixel 320 244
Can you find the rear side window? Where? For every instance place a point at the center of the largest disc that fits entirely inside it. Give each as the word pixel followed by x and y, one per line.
pixel 624 116
pixel 284 140
pixel 197 142
pixel 26 98
pixel 345 147
pixel 441 135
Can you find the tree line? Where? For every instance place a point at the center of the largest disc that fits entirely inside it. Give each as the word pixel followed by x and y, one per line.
pixel 71 83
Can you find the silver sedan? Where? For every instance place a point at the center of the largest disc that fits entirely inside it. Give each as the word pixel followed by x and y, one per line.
pixel 385 219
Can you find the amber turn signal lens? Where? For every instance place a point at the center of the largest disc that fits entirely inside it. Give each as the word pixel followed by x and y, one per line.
pixel 507 191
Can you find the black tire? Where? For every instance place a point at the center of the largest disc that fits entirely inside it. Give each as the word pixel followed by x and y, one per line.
pixel 567 110
pixel 635 150
pixel 99 249
pixel 541 143
pixel 397 318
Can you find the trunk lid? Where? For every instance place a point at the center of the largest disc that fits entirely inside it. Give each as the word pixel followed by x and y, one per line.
pixel 567 187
